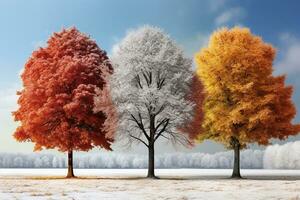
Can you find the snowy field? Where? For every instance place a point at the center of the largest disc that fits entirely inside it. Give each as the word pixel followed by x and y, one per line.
pixel 183 184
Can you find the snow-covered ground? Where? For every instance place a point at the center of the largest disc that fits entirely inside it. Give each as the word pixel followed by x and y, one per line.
pixel 183 184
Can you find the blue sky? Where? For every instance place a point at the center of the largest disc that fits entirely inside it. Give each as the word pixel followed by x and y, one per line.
pixel 25 25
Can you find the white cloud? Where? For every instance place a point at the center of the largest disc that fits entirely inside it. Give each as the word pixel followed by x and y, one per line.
pixel 290 50
pixel 287 38
pixel 8 104
pixel 215 5
pixel 114 49
pixel 232 15
pixel 20 72
pixel 195 43
pixel 8 99
pixel 291 61
pixel 115 46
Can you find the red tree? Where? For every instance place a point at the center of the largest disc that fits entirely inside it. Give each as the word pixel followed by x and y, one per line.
pixel 56 105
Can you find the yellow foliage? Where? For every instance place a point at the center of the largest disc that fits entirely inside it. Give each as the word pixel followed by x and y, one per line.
pixel 243 99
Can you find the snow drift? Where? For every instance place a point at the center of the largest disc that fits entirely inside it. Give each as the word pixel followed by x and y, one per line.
pixel 274 157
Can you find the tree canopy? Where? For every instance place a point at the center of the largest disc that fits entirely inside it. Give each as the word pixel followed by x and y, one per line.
pixel 60 83
pixel 243 99
pixel 151 79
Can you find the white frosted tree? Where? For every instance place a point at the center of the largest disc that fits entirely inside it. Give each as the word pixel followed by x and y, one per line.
pixel 151 80
pixel 55 162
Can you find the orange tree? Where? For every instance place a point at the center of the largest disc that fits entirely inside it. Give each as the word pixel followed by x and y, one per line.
pixel 244 102
pixel 56 105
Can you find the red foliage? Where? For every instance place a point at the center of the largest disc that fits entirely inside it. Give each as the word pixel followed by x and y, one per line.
pixel 57 102
pixel 196 95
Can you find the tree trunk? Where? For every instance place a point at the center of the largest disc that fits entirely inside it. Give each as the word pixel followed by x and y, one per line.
pixel 151 164
pixel 70 165
pixel 151 161
pixel 236 165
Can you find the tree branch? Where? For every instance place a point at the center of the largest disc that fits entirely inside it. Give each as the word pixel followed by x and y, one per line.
pixel 139 140
pixel 139 81
pixel 160 109
pixel 160 81
pixel 147 79
pixel 141 126
pixel 159 124
pixel 177 139
pixel 164 136
pixel 162 130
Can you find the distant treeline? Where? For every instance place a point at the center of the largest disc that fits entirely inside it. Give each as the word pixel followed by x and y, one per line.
pixel 274 157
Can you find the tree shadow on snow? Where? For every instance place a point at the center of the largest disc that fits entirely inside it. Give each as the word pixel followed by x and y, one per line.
pixel 178 178
pixel 214 178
